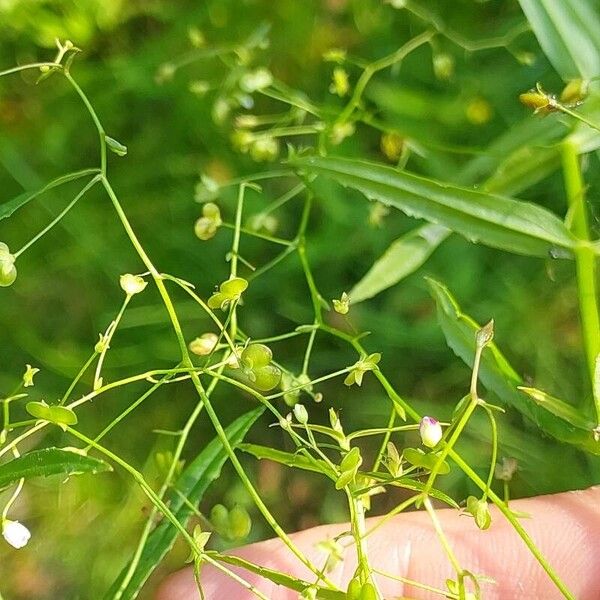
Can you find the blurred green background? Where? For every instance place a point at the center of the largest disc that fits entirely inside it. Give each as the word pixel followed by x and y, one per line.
pixel 67 292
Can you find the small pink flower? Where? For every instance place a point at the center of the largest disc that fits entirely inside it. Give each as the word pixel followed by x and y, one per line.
pixel 431 431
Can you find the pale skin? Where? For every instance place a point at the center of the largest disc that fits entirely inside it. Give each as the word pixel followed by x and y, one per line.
pixel 566 527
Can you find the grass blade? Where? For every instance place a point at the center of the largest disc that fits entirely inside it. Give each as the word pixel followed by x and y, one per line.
pixel 569 33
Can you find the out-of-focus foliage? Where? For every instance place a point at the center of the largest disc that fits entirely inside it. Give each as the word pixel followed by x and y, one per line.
pixel 453 115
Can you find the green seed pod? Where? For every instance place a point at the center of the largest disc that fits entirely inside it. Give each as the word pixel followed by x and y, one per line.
pixel 203 345
pixel 301 414
pixel 352 460
pixel 353 590
pixel 239 523
pixel 234 287
pixel 575 92
pixel 205 229
pixel 392 144
pixel 219 517
pixel 368 592
pixel 534 99
pixel 255 356
pixel 443 66
pixel 267 378
pixel 8 273
pixel 264 149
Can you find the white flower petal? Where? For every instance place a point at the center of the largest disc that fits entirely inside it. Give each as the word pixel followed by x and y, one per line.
pixel 15 533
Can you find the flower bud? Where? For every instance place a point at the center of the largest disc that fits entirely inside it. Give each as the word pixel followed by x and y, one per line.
pixel 431 431
pixel 15 533
pixel 342 306
pixel 392 144
pixel 339 82
pixel 340 132
pixel 264 149
pixel 301 414
pixel 204 345
pixel 256 80
pixel 443 66
pixel 132 284
pixel 575 92
pixel 8 271
pixel 28 375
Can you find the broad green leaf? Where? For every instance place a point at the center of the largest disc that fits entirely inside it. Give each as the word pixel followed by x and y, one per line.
pixel 498 376
pixel 290 459
pixel 569 33
pixel 188 491
pixel 49 461
pixel 8 208
pixel 401 259
pixel 490 219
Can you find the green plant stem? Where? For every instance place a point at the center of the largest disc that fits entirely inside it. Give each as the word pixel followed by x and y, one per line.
pixel 160 505
pixel 132 407
pixel 575 115
pixel 97 123
pixel 512 519
pixel 165 486
pixel 469 472
pixel 21 68
pixel 494 457
pixel 379 65
pixel 422 586
pixel 386 439
pixel 78 377
pixel 59 217
pixel 235 250
pixel 261 236
pixel 447 547
pixel 107 339
pixel 187 363
pixel 15 493
pixel 283 199
pixel 585 259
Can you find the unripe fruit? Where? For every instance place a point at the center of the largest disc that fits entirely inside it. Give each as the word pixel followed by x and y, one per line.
pixel 256 356
pixel 239 523
pixel 8 271
pixel 267 378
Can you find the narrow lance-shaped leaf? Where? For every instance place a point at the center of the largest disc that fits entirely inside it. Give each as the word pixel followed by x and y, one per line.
pixel 188 491
pixel 497 375
pixel 296 460
pixel 8 208
pixel 490 219
pixel 46 462
pixel 282 579
pixel 401 259
pixel 569 33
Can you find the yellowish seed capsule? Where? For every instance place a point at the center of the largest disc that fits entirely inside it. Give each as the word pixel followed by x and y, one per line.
pixel 575 91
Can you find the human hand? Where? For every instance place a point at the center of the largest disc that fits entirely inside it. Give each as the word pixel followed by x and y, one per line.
pixel 565 527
